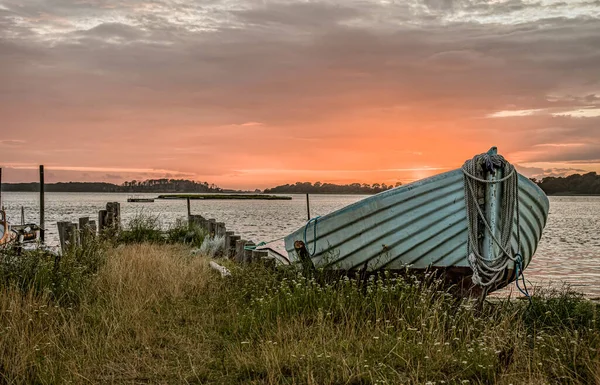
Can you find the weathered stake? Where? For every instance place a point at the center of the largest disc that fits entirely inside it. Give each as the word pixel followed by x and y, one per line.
pixel 42 205
pixel 248 251
pixel 307 207
pixel 232 245
pixel 189 209
pixel 239 250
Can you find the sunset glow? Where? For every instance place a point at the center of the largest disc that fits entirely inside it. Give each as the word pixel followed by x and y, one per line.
pixel 248 94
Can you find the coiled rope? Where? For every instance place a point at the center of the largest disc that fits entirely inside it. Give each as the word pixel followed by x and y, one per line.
pixel 487 271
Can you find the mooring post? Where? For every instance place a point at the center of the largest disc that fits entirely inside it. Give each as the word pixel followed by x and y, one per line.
pixel 259 256
pixel 493 200
pixel 42 205
pixel 239 250
pixel 189 209
pixel 22 215
pixel 211 227
pixel 307 207
pixel 220 229
pixel 101 221
pixel 84 230
pixel 232 245
pixel 248 249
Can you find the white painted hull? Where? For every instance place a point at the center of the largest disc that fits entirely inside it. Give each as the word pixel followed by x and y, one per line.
pixel 420 225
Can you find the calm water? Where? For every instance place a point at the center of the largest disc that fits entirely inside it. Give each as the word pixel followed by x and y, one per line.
pixel 569 250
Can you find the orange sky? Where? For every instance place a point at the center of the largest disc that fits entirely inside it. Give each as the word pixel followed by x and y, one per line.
pixel 249 94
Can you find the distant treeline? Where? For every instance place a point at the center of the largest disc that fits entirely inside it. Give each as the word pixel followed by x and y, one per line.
pixel 329 188
pixel 150 186
pixel 575 184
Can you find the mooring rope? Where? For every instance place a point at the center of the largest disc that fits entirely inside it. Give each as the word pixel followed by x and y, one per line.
pixel 486 272
pixel 315 219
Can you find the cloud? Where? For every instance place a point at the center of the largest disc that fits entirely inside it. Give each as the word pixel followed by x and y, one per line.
pixel 151 85
pixel 12 142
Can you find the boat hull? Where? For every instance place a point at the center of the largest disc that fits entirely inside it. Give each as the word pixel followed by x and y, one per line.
pixel 418 225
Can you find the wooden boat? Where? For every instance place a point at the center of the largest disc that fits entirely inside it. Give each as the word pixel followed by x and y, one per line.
pixel 421 225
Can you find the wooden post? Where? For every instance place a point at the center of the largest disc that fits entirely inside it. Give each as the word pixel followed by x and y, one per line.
pixel 220 229
pixel 260 256
pixel 227 242
pixel 197 220
pixel 189 209
pixel 72 235
pixel 61 235
pixel 42 205
pixel 232 245
pixel 113 217
pixel 239 250
pixel 22 215
pixel 211 227
pixel 307 207
pixel 84 230
pixel 101 221
pixel 248 252
pixel 92 226
pixel 0 187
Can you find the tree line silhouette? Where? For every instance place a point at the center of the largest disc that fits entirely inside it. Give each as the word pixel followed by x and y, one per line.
pixel 329 188
pixel 576 184
pixel 134 186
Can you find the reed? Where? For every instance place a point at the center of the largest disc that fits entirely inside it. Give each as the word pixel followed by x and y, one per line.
pixel 157 314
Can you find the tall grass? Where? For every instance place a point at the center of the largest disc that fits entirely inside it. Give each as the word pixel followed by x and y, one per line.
pixel 157 314
pixel 147 228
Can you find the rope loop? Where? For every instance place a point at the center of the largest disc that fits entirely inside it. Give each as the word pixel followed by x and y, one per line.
pixel 315 219
pixel 487 271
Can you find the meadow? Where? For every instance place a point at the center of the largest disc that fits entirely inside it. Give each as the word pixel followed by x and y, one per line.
pixel 144 309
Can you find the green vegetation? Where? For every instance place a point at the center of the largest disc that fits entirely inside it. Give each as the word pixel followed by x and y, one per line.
pixel 146 229
pixel 224 196
pixel 329 188
pixel 155 313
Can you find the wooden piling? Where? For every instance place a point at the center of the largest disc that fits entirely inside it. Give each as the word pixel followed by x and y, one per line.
pixel 211 227
pixel 61 234
pixel 307 207
pixel 239 250
pixel 22 215
pixel 102 221
pixel 232 245
pixel 259 256
pixel 227 242
pixel 113 215
pixel 189 209
pixel 197 220
pixel 68 234
pixel 42 205
pixel 248 251
pixel 85 231
pixel 220 229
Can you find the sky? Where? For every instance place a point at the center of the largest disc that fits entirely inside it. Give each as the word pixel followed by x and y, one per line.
pixel 253 94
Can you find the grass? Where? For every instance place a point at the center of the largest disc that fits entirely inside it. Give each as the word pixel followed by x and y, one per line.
pixel 224 196
pixel 143 228
pixel 155 313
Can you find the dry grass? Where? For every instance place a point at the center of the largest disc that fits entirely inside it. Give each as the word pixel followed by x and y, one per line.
pixel 156 314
